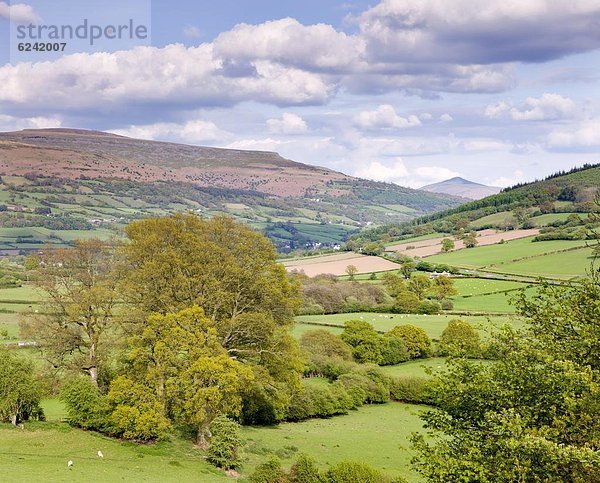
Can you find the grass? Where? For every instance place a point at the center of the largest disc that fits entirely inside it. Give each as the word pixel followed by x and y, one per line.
pixel 416 368
pixel 433 325
pixel 493 256
pixel 375 434
pixel 557 265
pixel 41 451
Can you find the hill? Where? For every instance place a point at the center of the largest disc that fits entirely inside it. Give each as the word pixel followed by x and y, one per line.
pixel 462 187
pixel 558 205
pixel 58 184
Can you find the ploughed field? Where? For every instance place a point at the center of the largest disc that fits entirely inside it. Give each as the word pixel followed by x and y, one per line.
pixel 337 264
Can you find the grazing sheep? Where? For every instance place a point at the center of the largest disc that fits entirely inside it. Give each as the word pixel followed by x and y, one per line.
pixel 70 464
pixel 100 455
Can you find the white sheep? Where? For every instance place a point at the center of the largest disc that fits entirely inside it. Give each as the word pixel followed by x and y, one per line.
pixel 100 455
pixel 70 464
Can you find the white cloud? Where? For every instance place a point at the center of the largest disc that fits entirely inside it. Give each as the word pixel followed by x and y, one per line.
pixel 385 116
pixel 446 118
pixel 380 172
pixel 504 181
pixel 192 32
pixel 19 13
pixel 195 131
pixel 10 123
pixel 584 134
pixel 435 173
pixel 545 108
pixel 289 123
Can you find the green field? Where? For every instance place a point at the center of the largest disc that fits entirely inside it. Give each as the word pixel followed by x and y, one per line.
pixel 416 368
pixel 500 257
pixel 433 325
pixel 375 434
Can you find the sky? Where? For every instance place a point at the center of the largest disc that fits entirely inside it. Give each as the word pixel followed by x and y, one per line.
pixel 405 91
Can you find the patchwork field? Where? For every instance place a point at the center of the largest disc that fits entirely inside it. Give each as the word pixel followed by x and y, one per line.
pixel 429 247
pixel 336 264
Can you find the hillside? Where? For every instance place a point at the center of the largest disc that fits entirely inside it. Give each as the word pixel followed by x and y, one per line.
pixel 558 205
pixel 58 184
pixel 462 187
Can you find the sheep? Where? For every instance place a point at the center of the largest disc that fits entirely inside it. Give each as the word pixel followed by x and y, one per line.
pixel 100 455
pixel 70 464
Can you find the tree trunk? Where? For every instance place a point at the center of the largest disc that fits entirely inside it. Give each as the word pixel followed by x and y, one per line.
pixel 203 437
pixel 93 364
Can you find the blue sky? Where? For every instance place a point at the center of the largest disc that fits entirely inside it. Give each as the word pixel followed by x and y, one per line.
pixel 405 91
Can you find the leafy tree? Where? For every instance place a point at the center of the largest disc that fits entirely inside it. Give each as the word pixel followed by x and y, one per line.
pixel 443 287
pixel 364 340
pixel 305 470
pixel 351 270
pixel 85 405
pixel 19 391
pixel 461 339
pixel 470 241
pixel 269 472
pixel 225 443
pixel 407 268
pixel 352 472
pixel 415 339
pixel 248 305
pixel 447 245
pixel 372 248
pixel 532 414
pixel 419 284
pixel 393 351
pixel 406 303
pixel 79 315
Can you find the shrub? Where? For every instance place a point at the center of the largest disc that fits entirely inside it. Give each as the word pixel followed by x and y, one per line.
pixel 393 351
pixel 136 412
pixel 364 340
pixel 269 472
pixel 460 339
pixel 223 451
pixel 305 470
pixel 352 472
pixel 86 407
pixel 367 380
pixel 411 389
pixel 406 303
pixel 447 304
pixel 415 339
pixel 429 307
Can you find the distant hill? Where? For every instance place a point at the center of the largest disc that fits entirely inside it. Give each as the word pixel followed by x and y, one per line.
pixel 462 187
pixel 89 180
pixel 546 204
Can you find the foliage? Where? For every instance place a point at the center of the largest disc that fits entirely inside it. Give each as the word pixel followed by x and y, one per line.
pixel 415 339
pixel 411 389
pixel 353 472
pixel 447 245
pixel 327 353
pixel 364 340
pixel 84 404
pixel 225 443
pixel 393 351
pixel 19 391
pixel 460 339
pixel 532 414
pixel 78 323
pixel 268 472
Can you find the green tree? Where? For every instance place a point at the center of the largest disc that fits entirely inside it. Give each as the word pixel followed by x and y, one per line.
pixel 460 339
pixel 78 325
pixel 447 245
pixel 470 241
pixel 225 443
pixel 407 268
pixel 19 391
pixel 417 342
pixel 443 287
pixel 419 284
pixel 364 340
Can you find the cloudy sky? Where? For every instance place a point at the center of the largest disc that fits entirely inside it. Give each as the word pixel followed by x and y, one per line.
pixel 407 91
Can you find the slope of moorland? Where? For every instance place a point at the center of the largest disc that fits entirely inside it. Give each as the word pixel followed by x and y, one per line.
pixel 55 181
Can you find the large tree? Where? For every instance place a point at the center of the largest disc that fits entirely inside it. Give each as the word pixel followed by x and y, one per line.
pixel 80 299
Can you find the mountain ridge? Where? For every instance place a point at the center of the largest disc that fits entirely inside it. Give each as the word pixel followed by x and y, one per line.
pixel 459 186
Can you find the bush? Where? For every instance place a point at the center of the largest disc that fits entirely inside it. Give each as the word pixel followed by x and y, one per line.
pixel 411 389
pixel 447 304
pixel 269 472
pixel 86 407
pixel 460 339
pixel 367 380
pixel 364 340
pixel 136 412
pixel 223 451
pixel 429 307
pixel 352 472
pixel 415 339
pixel 406 303
pixel 305 470
pixel 393 351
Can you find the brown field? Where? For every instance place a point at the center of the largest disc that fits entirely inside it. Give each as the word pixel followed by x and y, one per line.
pixel 336 264
pixel 433 246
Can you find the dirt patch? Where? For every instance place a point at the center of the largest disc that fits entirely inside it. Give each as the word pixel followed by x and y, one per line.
pixel 336 264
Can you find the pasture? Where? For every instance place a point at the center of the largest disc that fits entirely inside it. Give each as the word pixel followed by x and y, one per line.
pixel 376 434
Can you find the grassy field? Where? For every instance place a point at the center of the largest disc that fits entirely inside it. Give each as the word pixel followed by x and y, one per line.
pixel 498 256
pixel 416 368
pixel 375 434
pixel 433 325
pixel 557 265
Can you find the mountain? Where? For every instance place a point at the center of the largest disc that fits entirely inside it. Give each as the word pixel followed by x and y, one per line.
pixel 559 205
pixel 462 187
pixel 61 179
